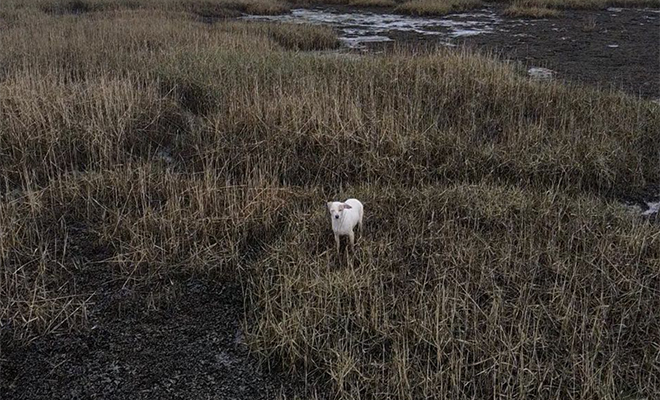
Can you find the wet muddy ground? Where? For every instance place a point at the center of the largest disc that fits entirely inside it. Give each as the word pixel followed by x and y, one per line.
pixel 616 47
pixel 619 48
pixel 192 349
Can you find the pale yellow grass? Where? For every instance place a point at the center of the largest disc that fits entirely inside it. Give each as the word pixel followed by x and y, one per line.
pixel 517 11
pixel 584 4
pixel 372 3
pixel 437 7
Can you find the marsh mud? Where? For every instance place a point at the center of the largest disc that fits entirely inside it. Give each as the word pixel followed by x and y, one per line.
pixel 613 48
pixel 192 349
pixel 617 48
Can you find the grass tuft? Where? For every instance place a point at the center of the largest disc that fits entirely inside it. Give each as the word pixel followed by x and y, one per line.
pixel 585 4
pixel 516 11
pixel 372 3
pixel 437 7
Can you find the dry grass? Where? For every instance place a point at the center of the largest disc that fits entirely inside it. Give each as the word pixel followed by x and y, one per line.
pixel 372 3
pixel 219 9
pixel 516 11
pixel 634 3
pixel 585 4
pixel 589 25
pixel 205 8
pixel 566 4
pixel 140 146
pixel 437 7
pixel 466 291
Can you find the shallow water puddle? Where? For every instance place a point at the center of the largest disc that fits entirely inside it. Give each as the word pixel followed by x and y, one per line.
pixel 357 28
pixel 540 73
pixel 653 208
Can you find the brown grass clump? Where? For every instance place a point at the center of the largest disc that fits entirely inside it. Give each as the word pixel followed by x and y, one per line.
pixel 585 4
pixel 204 8
pixel 437 7
pixel 634 3
pixel 291 36
pixel 372 3
pixel 140 146
pixel 516 11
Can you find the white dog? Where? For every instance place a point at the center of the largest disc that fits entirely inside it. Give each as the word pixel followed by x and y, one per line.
pixel 344 217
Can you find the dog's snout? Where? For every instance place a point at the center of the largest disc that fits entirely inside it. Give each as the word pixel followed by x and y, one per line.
pixel 336 216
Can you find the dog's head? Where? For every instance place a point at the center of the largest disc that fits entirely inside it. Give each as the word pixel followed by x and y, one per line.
pixel 336 208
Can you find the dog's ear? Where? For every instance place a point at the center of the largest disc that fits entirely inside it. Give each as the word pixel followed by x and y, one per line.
pixel 346 206
pixel 328 205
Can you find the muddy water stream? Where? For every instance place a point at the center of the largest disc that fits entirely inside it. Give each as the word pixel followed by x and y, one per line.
pixel 360 27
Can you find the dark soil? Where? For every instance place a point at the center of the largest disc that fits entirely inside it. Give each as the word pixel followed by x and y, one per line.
pixel 191 350
pixel 576 47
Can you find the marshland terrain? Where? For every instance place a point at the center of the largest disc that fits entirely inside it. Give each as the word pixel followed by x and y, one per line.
pixel 165 165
